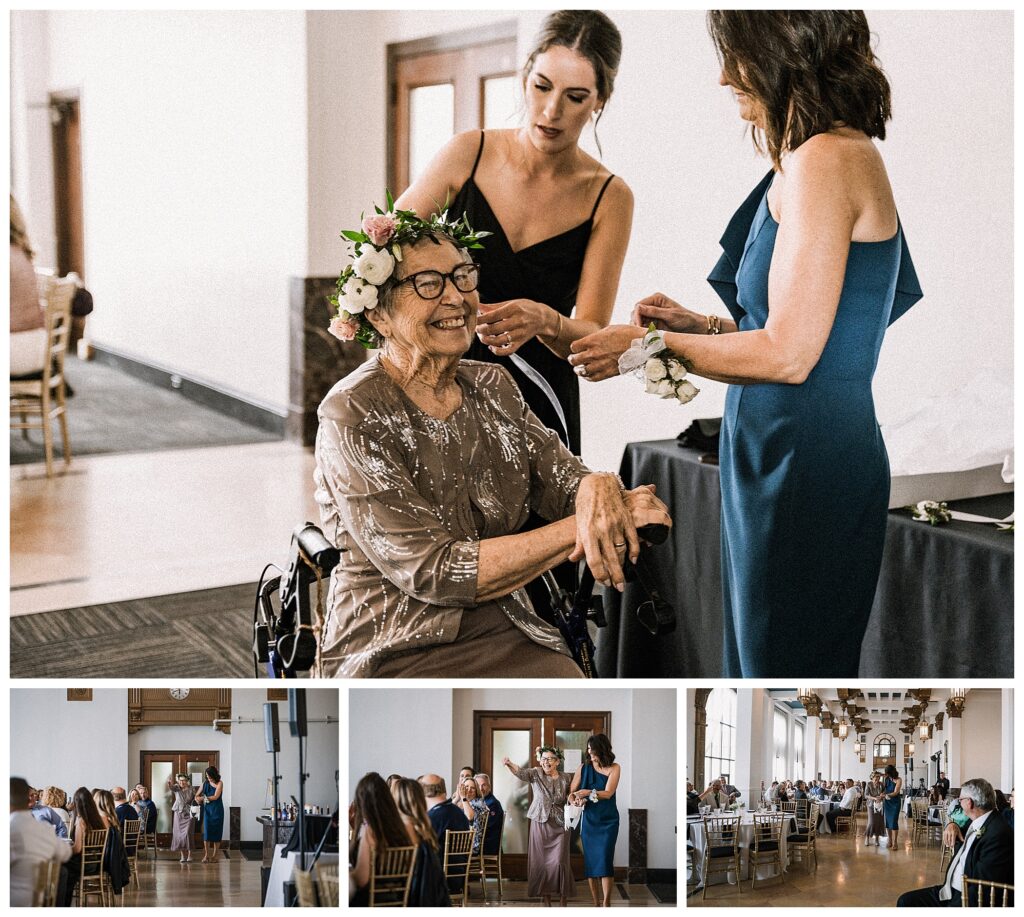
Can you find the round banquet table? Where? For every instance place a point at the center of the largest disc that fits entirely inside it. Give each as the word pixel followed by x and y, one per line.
pixel 934 812
pixel 695 832
pixel 825 805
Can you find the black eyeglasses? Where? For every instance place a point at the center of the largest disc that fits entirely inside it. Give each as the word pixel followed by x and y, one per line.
pixel 430 284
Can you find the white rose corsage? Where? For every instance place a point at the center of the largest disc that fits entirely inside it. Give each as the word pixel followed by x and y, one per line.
pixel 663 373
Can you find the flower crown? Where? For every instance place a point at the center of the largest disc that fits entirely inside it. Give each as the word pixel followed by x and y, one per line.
pixel 551 750
pixel 376 249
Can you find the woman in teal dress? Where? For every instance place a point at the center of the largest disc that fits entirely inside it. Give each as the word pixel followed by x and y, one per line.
pixel 213 814
pixel 815 267
pixel 593 786
pixel 893 803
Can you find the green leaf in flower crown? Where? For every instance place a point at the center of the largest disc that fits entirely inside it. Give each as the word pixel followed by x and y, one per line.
pixel 354 236
pixel 389 199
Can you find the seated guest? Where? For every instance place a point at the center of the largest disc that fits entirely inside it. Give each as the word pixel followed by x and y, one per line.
pixel 429 887
pixel 492 840
pixel 376 826
pixel 818 791
pixel 444 815
pixel 87 818
pixel 146 803
pixel 692 800
pixel 943 784
pixel 32 842
pixel 801 790
pixel 105 805
pixel 57 799
pixel 847 806
pixel 733 792
pixel 467 773
pixel 124 811
pixel 714 796
pixel 1008 812
pixel 392 780
pixel 46 814
pixel 428 468
pixel 921 790
pixel 473 807
pixel 985 851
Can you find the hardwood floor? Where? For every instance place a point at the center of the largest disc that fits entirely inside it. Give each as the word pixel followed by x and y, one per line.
pixel 166 883
pixel 849 874
pixel 514 895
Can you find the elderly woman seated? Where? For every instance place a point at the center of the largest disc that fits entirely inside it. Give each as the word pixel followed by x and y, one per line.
pixel 427 469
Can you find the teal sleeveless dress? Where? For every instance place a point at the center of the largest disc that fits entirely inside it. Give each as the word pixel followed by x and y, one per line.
pixel 599 828
pixel 804 471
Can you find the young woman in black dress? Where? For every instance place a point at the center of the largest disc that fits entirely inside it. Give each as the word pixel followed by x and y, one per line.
pixel 561 220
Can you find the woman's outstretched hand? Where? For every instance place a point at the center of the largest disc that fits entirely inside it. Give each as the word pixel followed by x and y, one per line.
pixel 596 356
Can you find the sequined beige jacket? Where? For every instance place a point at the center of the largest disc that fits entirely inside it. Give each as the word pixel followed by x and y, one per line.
pixel 408 498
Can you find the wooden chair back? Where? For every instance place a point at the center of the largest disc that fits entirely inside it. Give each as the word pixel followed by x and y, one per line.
pixel 47 879
pixel 458 856
pixel 326 875
pixel 92 879
pixel 304 890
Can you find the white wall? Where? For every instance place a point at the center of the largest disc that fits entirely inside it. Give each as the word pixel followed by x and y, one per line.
pixel 194 158
pixel 980 748
pixel 54 741
pixel 432 730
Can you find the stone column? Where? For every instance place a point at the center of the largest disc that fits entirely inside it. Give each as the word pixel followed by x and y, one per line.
pixel 636 873
pixel 1006 748
pixel 700 725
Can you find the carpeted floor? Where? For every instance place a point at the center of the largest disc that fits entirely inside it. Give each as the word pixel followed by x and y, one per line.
pixel 204 634
pixel 114 412
pixel 666 894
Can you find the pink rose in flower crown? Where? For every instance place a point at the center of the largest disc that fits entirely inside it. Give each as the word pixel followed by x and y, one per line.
pixel 380 228
pixel 344 329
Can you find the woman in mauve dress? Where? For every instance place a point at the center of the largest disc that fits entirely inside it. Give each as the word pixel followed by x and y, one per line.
pixel 876 820
pixel 548 870
pixel 182 794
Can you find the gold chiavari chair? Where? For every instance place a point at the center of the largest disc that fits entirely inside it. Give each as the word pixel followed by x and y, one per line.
pixel 1003 899
pixel 919 821
pixel 92 879
pixel 391 876
pixel 458 855
pixel 804 839
pixel 326 876
pixel 130 834
pixel 47 880
pixel 947 849
pixel 492 864
pixel 767 846
pixel 476 864
pixel 721 850
pixel 304 889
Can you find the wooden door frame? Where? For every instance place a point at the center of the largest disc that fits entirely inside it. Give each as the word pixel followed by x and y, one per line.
pixel 68 189
pixel 212 755
pixel 493 33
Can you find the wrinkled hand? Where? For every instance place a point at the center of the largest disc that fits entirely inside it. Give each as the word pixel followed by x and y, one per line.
pixel 666 314
pixel 605 532
pixel 599 353
pixel 505 326
pixel 645 508
pixel 951 834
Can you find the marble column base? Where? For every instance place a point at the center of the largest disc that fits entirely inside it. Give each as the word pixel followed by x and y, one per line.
pixel 234 826
pixel 316 359
pixel 636 873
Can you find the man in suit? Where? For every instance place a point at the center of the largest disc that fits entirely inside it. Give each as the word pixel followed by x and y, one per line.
pixel 943 784
pixel 984 852
pixel 733 792
pixel 715 796
pixel 801 790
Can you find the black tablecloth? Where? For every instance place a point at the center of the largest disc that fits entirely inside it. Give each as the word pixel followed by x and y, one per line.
pixel 943 608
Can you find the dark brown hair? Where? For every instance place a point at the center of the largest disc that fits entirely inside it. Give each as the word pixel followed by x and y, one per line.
pixel 592 35
pixel 805 69
pixel 375 806
pixel 599 745
pixel 85 809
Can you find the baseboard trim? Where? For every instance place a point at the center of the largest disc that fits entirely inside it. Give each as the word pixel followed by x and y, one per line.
pixel 216 397
pixel 661 876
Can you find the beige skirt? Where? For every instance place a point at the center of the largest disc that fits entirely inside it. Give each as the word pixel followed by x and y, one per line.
pixel 548 869
pixel 488 646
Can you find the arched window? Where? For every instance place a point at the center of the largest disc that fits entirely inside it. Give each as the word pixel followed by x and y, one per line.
pixel 720 737
pixel 885 750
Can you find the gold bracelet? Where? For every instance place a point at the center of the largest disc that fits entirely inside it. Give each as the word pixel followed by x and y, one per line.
pixel 714 324
pixel 558 331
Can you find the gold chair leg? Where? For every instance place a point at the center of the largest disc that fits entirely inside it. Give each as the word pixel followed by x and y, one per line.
pixel 47 434
pixel 64 428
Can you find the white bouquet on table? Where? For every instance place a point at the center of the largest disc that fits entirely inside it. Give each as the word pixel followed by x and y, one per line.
pixel 663 373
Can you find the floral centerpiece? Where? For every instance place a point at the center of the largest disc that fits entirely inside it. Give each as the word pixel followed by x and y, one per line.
pixel 376 250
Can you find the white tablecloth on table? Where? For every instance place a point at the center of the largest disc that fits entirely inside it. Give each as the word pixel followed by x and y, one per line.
pixel 934 812
pixel 281 871
pixel 695 832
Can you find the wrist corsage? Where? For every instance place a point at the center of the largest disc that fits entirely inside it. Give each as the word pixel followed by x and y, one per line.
pixel 593 797
pixel 663 373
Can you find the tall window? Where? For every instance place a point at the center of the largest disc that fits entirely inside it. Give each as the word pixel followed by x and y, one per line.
pixel 798 750
pixel 780 771
pixel 720 737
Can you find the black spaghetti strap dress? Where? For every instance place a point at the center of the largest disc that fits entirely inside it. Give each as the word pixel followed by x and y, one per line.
pixel 547 271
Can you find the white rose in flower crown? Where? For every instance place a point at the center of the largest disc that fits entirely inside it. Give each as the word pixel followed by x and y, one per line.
pixel 654 370
pixel 676 370
pixel 375 265
pixel 358 295
pixel 666 388
pixel 686 391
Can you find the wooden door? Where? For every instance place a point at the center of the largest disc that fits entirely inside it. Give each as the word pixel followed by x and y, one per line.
pixel 443 85
pixel 65 117
pixel 156 766
pixel 516 735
